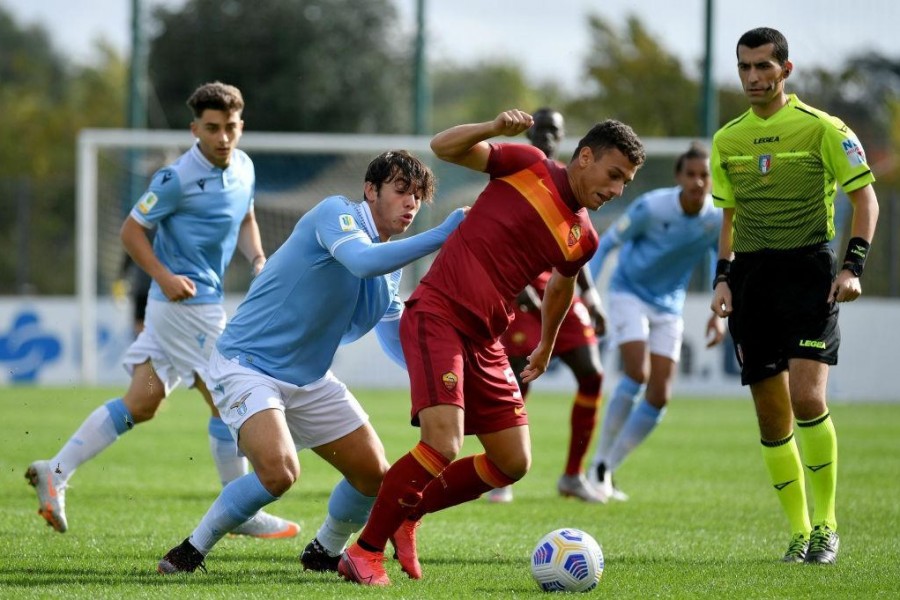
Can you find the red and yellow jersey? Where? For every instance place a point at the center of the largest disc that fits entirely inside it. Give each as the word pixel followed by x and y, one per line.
pixel 525 222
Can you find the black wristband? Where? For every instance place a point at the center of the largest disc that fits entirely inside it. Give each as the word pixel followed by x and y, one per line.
pixel 723 269
pixel 855 258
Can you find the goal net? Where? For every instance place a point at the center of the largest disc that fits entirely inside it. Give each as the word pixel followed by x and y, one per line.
pixel 293 173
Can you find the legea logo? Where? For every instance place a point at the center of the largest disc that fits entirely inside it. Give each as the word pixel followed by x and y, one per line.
pixel 25 348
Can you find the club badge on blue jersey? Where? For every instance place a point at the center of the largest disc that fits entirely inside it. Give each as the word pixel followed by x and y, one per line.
pixel 347 222
pixel 765 163
pixel 147 202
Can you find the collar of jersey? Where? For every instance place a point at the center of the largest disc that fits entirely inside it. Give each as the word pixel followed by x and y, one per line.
pixel 198 156
pixel 365 217
pixel 792 102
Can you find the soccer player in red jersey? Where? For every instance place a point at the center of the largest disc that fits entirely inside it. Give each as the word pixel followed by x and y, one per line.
pixel 460 378
pixel 576 344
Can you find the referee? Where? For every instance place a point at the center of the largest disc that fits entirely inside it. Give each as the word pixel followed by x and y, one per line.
pixel 775 172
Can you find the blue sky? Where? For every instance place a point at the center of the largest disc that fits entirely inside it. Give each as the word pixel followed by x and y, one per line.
pixel 551 43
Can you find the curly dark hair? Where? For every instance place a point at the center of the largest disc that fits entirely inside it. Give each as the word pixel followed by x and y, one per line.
pixel 399 164
pixel 215 96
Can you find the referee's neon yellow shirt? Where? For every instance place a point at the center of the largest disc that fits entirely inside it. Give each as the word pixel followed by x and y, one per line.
pixel 780 175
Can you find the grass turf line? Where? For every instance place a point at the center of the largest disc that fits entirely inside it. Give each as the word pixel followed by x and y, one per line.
pixel 701 523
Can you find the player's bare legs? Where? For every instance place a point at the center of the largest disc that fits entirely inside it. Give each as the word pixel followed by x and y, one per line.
pixel 359 456
pixel 266 442
pixel 98 431
pixel 441 428
pixel 145 393
pixel 509 449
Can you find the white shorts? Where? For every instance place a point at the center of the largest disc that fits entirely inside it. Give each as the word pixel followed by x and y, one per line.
pixel 633 320
pixel 178 339
pixel 316 414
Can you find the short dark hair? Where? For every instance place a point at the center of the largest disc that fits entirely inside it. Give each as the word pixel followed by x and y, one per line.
pixel 400 164
pixel 695 150
pixel 610 134
pixel 766 35
pixel 215 96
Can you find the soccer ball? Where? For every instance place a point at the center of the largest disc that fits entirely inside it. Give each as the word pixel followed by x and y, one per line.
pixel 567 560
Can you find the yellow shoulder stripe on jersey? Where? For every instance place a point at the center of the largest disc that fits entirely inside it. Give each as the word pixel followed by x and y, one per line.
pixel 542 195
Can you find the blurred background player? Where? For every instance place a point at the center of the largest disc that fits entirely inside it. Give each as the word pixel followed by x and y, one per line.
pixel 335 278
pixel 781 293
pixel 663 235
pixel 576 342
pixel 461 382
pixel 201 207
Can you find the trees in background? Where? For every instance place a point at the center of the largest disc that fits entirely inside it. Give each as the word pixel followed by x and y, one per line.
pixel 346 66
pixel 335 66
pixel 44 102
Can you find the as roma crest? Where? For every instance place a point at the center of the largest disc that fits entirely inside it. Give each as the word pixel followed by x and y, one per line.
pixel 450 380
pixel 574 235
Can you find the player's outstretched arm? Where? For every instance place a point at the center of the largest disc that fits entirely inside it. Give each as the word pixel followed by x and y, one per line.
pixel 365 259
pixel 465 145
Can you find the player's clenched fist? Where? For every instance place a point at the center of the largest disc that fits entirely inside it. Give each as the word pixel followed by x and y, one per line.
pixel 512 122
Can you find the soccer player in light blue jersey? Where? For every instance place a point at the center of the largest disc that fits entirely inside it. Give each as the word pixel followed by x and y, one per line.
pixel 663 235
pixel 333 280
pixel 201 209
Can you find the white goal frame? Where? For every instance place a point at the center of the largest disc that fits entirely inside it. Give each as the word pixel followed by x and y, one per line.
pixel 91 141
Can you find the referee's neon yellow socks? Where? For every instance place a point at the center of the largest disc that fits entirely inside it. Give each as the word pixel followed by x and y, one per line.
pixel 818 446
pixel 786 473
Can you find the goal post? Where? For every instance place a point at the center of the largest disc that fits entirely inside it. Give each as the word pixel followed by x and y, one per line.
pixel 294 172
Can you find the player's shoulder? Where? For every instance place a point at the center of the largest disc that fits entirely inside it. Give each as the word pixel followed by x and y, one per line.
pixel 710 211
pixel 659 195
pixel 506 158
pixel 339 211
pixel 241 160
pixel 184 170
pixel 655 200
pixel 166 180
pixel 337 203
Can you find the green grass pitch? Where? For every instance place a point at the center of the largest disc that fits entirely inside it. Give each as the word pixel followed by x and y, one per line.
pixel 701 523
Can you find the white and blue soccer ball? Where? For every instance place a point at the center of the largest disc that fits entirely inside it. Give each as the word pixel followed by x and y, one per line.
pixel 567 560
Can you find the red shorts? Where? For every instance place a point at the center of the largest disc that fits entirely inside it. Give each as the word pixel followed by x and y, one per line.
pixel 447 367
pixel 524 332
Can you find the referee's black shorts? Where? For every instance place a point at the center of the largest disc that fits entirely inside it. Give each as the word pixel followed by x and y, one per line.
pixel 781 309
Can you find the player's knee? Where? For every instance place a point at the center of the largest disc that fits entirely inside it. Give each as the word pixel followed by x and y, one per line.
pixel 277 476
pixel 589 385
pixel 142 410
pixel 515 467
pixel 445 442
